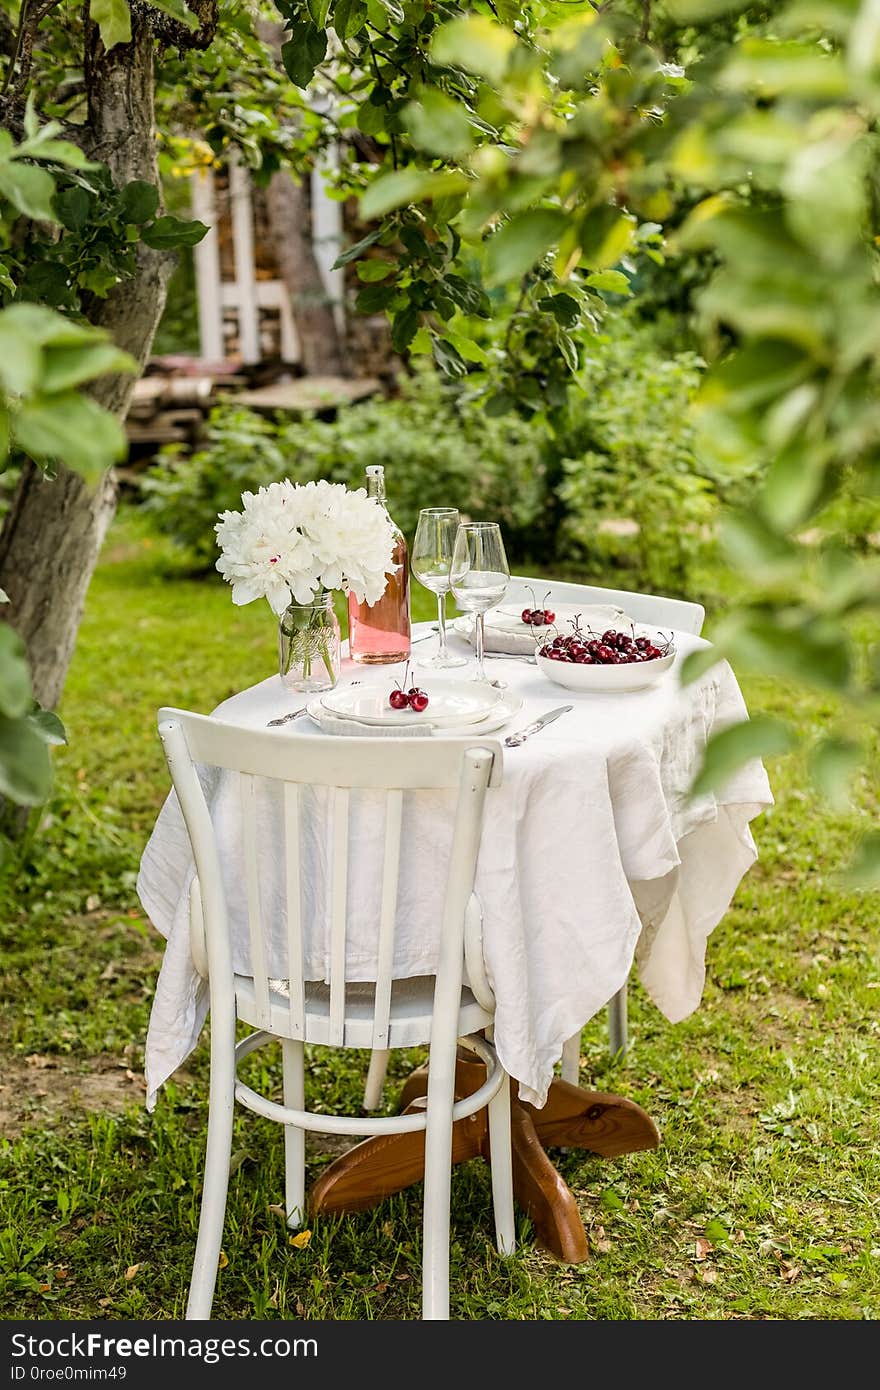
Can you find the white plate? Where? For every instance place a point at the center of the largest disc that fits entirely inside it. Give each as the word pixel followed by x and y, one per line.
pixel 629 675
pixel 450 702
pixel 507 705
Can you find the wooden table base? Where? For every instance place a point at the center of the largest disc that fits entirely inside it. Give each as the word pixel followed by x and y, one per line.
pixel 604 1124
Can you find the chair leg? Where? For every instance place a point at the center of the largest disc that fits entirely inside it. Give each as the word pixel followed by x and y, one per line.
pixel 294 1137
pixel 501 1162
pixel 571 1059
pixel 618 1040
pixel 438 1183
pixel 216 1180
pixel 375 1079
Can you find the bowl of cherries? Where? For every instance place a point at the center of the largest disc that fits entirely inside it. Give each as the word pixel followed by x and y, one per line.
pixel 614 660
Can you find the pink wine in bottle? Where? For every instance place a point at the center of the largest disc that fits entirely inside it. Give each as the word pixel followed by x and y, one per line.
pixel 380 632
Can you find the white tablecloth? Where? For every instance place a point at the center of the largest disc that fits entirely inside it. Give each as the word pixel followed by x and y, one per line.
pixel 592 857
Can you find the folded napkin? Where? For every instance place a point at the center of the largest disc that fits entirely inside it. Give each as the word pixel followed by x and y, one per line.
pixel 356 728
pixel 505 630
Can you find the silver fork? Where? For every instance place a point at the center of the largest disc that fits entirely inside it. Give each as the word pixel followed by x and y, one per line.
pixel 295 713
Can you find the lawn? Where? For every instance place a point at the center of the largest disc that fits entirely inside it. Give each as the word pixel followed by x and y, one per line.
pixel 761 1202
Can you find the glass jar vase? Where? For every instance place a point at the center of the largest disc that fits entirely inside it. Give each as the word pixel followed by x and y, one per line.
pixel 309 644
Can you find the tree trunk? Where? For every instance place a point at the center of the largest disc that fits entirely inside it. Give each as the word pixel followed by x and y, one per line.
pixel 287 203
pixel 53 532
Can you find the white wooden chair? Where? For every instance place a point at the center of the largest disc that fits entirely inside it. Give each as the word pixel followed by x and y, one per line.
pixel 438 1011
pixel 659 611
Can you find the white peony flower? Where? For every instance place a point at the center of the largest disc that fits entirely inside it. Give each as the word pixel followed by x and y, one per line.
pixel 289 542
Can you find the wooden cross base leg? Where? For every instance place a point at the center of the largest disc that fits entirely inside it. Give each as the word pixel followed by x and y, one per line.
pixel 604 1124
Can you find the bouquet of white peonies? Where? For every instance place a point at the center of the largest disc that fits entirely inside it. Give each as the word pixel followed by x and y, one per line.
pixel 293 541
pixel 293 544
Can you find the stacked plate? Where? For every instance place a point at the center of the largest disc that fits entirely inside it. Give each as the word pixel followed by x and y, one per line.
pixel 455 707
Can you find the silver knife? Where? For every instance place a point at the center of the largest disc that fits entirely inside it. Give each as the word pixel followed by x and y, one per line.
pixel 514 740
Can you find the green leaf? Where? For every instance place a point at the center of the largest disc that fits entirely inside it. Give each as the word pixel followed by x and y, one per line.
pixel 65 367
pixel 799 654
pixel 72 428
pixel 177 10
pixel 786 69
pixel 475 44
pixel 564 308
pixel 404 327
pixel 408 186
pixel 730 750
pixel 73 208
pixel 864 871
pixel 29 189
pixel 439 125
pixel 697 663
pixel 755 547
pixel 703 12
pixel 318 10
pixel 349 17
pixel 568 350
pixel 21 358
pixel 449 359
pixel 372 270
pixel 471 298
pixel 113 18
pixel 47 328
pixel 605 235
pixel 140 201
pixel 521 242
pixel 169 233
pixel 394 10
pixel 354 251
pixel 303 52
pixel 15 679
pixel 834 763
pixel 611 281
pixel 25 769
pixel 48 726
pixel 374 298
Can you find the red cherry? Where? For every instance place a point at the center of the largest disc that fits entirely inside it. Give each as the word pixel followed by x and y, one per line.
pixel 605 653
pixel 398 700
pixel 526 615
pixel 418 701
pixel 548 616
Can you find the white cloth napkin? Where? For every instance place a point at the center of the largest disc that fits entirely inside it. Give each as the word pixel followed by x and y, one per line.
pixel 356 728
pixel 505 630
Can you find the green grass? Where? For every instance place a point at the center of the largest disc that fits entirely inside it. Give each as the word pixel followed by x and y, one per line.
pixel 761 1202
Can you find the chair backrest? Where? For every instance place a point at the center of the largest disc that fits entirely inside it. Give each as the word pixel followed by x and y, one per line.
pixel 657 609
pixel 340 765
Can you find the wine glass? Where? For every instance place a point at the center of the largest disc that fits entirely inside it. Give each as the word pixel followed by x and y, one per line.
pixel 430 563
pixel 480 575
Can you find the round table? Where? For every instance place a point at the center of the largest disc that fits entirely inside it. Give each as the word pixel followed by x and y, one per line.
pixel 594 859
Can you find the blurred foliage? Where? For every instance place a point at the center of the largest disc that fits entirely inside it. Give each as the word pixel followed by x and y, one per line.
pixel 613 491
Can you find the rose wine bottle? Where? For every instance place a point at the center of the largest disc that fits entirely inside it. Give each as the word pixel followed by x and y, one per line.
pixel 380 632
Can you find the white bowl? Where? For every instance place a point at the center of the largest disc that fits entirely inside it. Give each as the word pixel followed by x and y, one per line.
pixel 629 675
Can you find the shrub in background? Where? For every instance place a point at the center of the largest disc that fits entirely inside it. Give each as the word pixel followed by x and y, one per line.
pixel 439 448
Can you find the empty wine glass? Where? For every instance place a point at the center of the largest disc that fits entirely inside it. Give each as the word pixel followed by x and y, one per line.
pixel 430 563
pixel 480 576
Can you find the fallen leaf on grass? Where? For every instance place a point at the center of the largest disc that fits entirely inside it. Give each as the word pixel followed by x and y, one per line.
pixel 708 1275
pixel 131 1271
pixel 104 1302
pixel 223 1261
pixel 37 1060
pixel 93 902
pixel 600 1241
pixel 300 1240
pixel 702 1248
